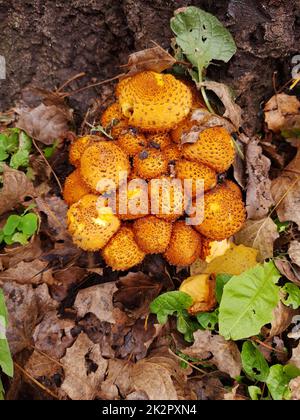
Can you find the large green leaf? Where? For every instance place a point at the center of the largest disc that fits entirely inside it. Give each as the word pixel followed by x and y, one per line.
pixel 6 363
pixel 202 37
pixel 248 302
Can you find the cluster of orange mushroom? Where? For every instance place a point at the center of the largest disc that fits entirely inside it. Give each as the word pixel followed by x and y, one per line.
pixel 151 113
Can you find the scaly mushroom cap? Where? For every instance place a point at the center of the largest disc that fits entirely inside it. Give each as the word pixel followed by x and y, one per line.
pixel 131 141
pixel 154 101
pixel 122 251
pixel 186 169
pixel 185 245
pixel 224 214
pixel 214 148
pixel 152 234
pixel 167 198
pixel 113 121
pixel 78 147
pixel 172 153
pixel 74 188
pixel 91 227
pixel 212 249
pixel 150 163
pixel 104 161
pixel 233 187
pixel 159 141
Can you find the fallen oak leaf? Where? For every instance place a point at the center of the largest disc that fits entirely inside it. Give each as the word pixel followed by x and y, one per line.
pixel 258 198
pixel 258 234
pixel 289 270
pixel 16 187
pixel 220 352
pixel 154 59
pixel 232 110
pixel 45 123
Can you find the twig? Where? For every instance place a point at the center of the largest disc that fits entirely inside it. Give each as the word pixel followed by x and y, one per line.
pixel 48 164
pixel 77 76
pixel 74 92
pixel 35 381
pixel 188 363
pixel 266 345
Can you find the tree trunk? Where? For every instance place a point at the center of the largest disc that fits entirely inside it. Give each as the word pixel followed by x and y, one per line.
pixel 46 42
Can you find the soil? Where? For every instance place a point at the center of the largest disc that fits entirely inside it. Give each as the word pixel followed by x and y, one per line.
pixel 46 42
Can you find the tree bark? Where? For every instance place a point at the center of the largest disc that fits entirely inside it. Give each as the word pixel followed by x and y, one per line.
pixel 46 42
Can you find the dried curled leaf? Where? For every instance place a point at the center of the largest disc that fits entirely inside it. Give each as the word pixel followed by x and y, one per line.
pixel 282 112
pixel 45 123
pixel 155 59
pixel 16 186
pixel 232 110
pixel 259 234
pixel 294 252
pixel 286 192
pixel 259 198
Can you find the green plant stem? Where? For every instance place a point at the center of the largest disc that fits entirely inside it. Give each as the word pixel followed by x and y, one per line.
pixel 203 92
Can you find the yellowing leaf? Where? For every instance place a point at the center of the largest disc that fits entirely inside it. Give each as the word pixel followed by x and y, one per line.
pixel 236 260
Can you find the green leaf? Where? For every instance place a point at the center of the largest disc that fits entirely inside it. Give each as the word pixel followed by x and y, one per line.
pixel 28 224
pixel 221 280
pixel 20 238
pixel 202 37
pixel 292 295
pixel 248 302
pixel 208 320
pixel 1 235
pixel 1 391
pixel 11 224
pixel 281 226
pixel 254 392
pixel 3 154
pixel 186 326
pixel 20 158
pixel 278 381
pixel 6 362
pixel 49 151
pixel 8 240
pixel 254 363
pixel 169 303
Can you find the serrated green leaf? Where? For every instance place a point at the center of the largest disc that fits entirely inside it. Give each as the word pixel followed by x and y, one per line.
pixel 28 224
pixel 20 158
pixel 8 240
pixel 11 224
pixel 292 295
pixel 169 303
pixel 3 154
pixel 186 326
pixel 208 320
pixel 254 392
pixel 254 363
pixel 202 37
pixel 248 302
pixel 279 379
pixel 221 280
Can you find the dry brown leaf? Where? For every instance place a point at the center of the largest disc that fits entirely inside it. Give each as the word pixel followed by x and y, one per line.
pixel 53 335
pixel 258 234
pixel 45 123
pixel 56 211
pixel 157 375
pixel 232 110
pixel 16 186
pixel 294 252
pixel 289 270
pixel 233 395
pixel 155 59
pixel 33 272
pixel 26 306
pixel 282 112
pixel 294 386
pixel 295 359
pixel 66 279
pixel 224 354
pixel 40 367
pixel 97 300
pixel 282 318
pixel 84 369
pixel 286 192
pixel 118 383
pixel 14 254
pixel 259 198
